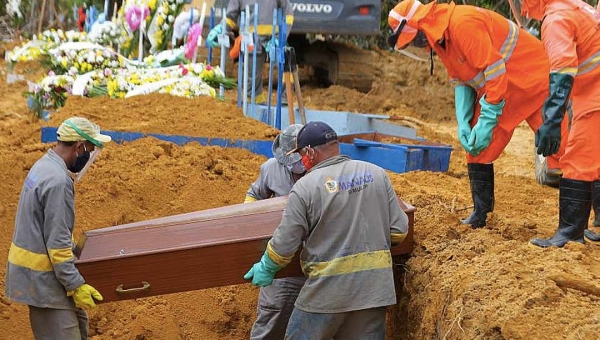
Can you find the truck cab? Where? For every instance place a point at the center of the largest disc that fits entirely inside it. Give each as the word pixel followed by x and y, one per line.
pixel 316 24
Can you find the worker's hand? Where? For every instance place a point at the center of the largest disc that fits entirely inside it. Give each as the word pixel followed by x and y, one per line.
pixel 262 272
pixel 547 138
pixel 272 45
pixel 213 36
pixel 84 296
pixel 481 135
pixel 464 101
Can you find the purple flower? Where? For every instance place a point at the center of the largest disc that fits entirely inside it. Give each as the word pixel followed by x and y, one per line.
pixel 192 39
pixel 135 15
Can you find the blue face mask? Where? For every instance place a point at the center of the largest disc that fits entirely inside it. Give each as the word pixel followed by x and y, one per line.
pixel 297 168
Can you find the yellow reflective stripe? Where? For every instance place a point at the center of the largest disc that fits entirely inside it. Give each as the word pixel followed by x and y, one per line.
pixel 510 42
pixel 264 29
pixel 589 64
pixel 58 256
pixel 249 199
pixel 281 261
pixel 28 259
pixel 289 19
pixel 494 70
pixel 397 238
pixel 478 81
pixel 230 23
pixel 572 71
pixel 349 264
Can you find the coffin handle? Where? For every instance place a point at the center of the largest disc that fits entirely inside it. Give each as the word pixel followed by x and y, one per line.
pixel 145 286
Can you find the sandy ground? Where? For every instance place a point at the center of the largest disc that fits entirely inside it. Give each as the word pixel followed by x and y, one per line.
pixel 458 283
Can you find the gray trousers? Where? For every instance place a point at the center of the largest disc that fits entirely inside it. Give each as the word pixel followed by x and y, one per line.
pixel 261 57
pixel 54 324
pixel 275 305
pixel 366 324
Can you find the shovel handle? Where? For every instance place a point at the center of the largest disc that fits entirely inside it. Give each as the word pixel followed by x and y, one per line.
pixel 288 89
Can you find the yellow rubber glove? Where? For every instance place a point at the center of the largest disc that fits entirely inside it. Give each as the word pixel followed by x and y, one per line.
pixel 84 296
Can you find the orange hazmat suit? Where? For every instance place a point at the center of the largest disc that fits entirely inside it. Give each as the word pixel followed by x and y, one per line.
pixel 571 36
pixel 491 54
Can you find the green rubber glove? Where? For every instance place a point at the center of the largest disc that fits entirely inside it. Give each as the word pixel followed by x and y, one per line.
pixel 271 45
pixel 213 36
pixel 547 137
pixel 262 272
pixel 481 135
pixel 84 296
pixel 464 101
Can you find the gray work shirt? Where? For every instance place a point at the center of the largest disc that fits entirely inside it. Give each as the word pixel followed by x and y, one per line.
pixel 41 267
pixel 275 180
pixel 344 211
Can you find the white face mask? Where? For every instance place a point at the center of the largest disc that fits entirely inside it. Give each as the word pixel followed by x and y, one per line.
pixel 297 168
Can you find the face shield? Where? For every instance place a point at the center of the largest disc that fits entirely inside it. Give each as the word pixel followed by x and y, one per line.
pixel 515 9
pixel 89 163
pixel 526 14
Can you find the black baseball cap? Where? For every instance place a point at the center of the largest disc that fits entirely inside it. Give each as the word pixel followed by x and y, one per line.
pixel 314 134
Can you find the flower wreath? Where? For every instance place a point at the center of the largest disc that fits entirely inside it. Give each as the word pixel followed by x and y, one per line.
pixel 192 40
pixel 135 15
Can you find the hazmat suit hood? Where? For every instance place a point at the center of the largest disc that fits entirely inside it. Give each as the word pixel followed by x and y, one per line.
pixel 432 19
pixel 537 9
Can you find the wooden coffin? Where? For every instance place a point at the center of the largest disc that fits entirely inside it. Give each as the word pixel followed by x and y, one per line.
pixel 198 250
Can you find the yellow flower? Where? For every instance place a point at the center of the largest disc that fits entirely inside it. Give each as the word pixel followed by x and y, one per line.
pixel 64 63
pixel 160 20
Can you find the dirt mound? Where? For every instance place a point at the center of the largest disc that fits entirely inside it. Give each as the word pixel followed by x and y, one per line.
pixel 163 113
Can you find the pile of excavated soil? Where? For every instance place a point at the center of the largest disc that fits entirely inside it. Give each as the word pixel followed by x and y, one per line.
pixel 166 114
pixel 458 283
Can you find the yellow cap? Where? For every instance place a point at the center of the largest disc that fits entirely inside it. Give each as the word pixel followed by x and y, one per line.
pixel 80 129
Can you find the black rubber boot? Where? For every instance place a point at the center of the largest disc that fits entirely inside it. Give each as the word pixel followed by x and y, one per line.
pixel 592 236
pixel 575 202
pixel 481 177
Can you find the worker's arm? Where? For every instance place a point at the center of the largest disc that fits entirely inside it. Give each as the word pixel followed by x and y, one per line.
pixel 58 236
pixel 288 12
pixel 259 189
pixel 286 240
pixel 559 41
pixel 476 44
pixel 464 103
pixel 234 9
pixel 398 219
pixel 292 230
pixel 58 223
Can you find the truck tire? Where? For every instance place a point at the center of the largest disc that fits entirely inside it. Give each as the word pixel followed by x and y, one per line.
pixel 542 173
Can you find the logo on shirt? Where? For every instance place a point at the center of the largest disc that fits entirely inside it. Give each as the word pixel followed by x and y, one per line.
pixel 331 185
pixel 30 181
pixel 355 182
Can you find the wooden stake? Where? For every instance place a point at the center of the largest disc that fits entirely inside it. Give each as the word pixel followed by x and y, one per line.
pixel 39 30
pixel 290 98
